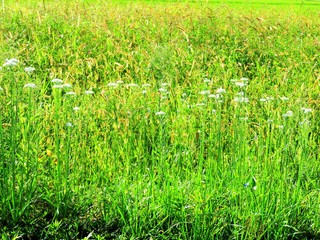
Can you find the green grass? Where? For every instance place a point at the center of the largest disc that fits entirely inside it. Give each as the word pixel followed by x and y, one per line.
pixel 140 146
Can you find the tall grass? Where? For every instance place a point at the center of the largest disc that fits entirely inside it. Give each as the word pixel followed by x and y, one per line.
pixel 159 121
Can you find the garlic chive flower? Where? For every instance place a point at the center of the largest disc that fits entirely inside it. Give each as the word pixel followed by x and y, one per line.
pixel 205 92
pixel 240 84
pixel 160 113
pixel 69 124
pixel 288 114
pixel 89 92
pixel 132 85
pixel 220 90
pixel 284 98
pixel 11 62
pixel 57 81
pixel 76 109
pixel 30 85
pixel 70 93
pixel 112 84
pixel 306 110
pixel 165 84
pixel 241 99
pixel 67 85
pixel 29 70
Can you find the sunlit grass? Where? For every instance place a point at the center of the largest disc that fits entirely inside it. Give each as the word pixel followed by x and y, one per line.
pixel 159 121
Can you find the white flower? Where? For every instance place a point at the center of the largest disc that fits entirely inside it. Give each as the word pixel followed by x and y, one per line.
pixel 70 93
pixel 200 104
pixel 269 98
pixel 165 84
pixel 76 109
pixel 206 80
pixel 88 92
pixel 11 62
pixel 67 85
pixel 244 79
pixel 69 124
pixel 263 100
pixel 163 90
pixel 132 85
pixel 306 110
pixel 119 82
pixel 1 89
pixel 284 98
pixel 57 81
pixel 240 84
pixel 221 90
pixel 216 96
pixel 112 84
pixel 160 113
pixel 241 99
pixel 204 92
pixel 29 69
pixel 241 94
pixel 30 85
pixel 146 85
pixel 144 91
pixel 288 114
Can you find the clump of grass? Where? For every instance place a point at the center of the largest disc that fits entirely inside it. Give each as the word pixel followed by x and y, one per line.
pixel 148 123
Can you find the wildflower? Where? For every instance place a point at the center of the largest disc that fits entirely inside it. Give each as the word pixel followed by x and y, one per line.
pixel 1 89
pixel 263 99
pixel 240 84
pixel 240 94
pixel 67 85
pixel 160 113
pixel 112 84
pixel 306 110
pixel 216 96
pixel 70 93
pixel 284 98
pixel 30 85
pixel 165 84
pixel 119 82
pixel 76 109
pixel 163 90
pixel 200 104
pixel 132 85
pixel 269 98
pixel 57 81
pixel 206 80
pixel 220 90
pixel 243 79
pixel 11 62
pixel 146 85
pixel 241 99
pixel 288 114
pixel 144 92
pixel 89 92
pixel 29 69
pixel 69 124
pixel 205 92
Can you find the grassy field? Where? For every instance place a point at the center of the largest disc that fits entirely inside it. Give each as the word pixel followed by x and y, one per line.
pixel 152 120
